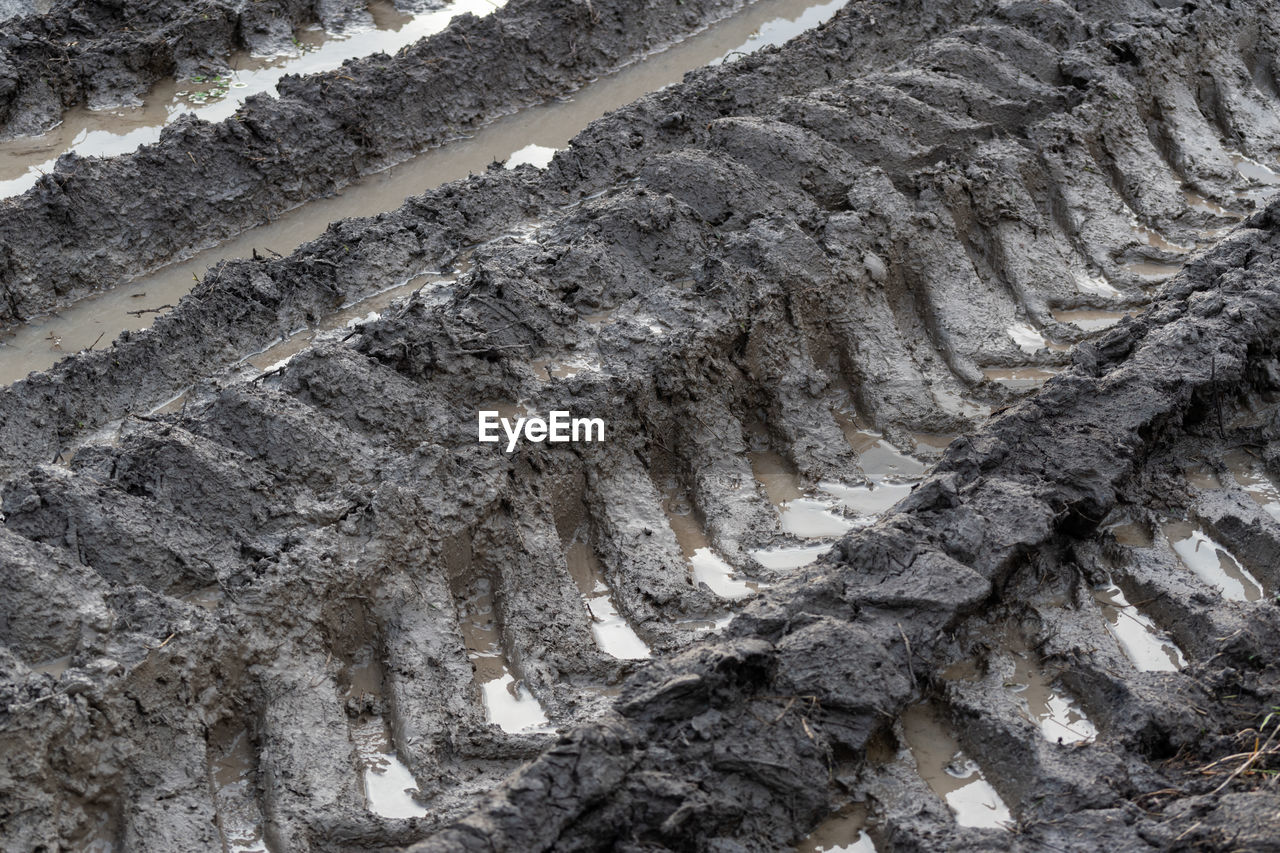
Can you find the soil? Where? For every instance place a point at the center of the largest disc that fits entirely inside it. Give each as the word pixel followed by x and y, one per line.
pixel 787 283
pixel 103 54
pixel 62 239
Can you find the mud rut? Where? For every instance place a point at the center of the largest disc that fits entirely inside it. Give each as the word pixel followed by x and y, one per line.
pixel 784 272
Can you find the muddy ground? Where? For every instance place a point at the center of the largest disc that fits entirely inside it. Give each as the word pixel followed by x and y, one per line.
pixel 204 182
pixel 803 259
pixel 103 54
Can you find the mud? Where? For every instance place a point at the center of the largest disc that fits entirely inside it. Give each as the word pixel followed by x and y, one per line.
pixel 855 222
pixel 949 773
pixel 89 322
pixel 103 55
pixel 214 96
pixel 321 133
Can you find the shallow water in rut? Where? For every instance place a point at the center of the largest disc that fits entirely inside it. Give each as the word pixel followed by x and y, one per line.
pixel 1251 474
pixel 385 778
pixel 507 702
pixel 843 832
pixel 952 775
pixel 98 319
pixel 231 776
pixel 706 565
pixel 1211 562
pixel 120 130
pixel 1141 640
pixel 612 633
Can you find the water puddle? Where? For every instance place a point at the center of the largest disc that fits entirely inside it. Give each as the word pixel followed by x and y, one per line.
pixel 232 771
pixel 1156 240
pixel 843 832
pixel 1202 477
pixel 1195 201
pixel 1261 180
pixel 951 774
pixel 1020 378
pixel 1090 319
pixel 1131 534
pixel 879 460
pixel 611 631
pixel 707 624
pixel 1211 562
pixel 1254 171
pixel 1250 473
pixel 507 702
pixel 707 566
pixel 97 320
pixel 820 514
pixel 1151 271
pixel 564 367
pixel 932 441
pixel 510 411
pixel 598 318
pixel 209 597
pixel 87 322
pixel 1150 649
pixel 891 474
pixel 870 501
pixel 386 780
pixel 120 130
pixel 1096 285
pixel 538 156
pixel 1058 716
pixel 802 515
pixel 348 316
pixel 1056 713
pixel 53 667
pixel 780 30
pixel 1031 340
pixel 790 557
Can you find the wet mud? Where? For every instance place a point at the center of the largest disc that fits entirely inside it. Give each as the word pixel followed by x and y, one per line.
pixel 134 305
pixel 213 180
pixel 214 95
pixel 835 580
pixel 102 55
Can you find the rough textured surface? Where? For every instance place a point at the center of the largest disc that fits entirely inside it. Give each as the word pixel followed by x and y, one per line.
pixel 731 266
pixel 13 8
pixel 104 53
pixel 203 182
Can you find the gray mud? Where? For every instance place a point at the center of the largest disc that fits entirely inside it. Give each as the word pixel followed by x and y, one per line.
pixel 215 95
pixel 40 343
pixel 203 182
pixel 221 616
pixel 106 54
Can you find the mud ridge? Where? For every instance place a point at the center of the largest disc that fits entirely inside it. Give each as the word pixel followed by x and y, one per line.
pixel 102 54
pixel 204 182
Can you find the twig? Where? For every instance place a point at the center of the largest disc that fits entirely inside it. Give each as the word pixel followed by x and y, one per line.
pixel 1217 398
pixel 95 343
pixel 142 311
pixel 1254 756
pixel 910 669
